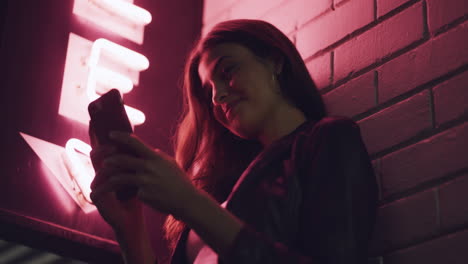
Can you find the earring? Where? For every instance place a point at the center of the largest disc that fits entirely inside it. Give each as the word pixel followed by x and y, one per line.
pixel 274 80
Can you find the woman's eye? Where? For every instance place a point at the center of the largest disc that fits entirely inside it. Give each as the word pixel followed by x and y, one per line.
pixel 227 71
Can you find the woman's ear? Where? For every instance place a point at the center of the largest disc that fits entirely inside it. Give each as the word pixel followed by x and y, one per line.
pixel 278 62
pixel 275 63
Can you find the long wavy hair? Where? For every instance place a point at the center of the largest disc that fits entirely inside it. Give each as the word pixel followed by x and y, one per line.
pixel 211 155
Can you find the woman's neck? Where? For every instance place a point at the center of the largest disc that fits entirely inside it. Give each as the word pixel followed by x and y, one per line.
pixel 283 122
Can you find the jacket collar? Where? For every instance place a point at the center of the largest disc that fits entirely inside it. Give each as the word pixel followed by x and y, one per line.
pixel 277 150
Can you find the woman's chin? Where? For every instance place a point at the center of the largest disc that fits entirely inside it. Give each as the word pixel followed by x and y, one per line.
pixel 242 127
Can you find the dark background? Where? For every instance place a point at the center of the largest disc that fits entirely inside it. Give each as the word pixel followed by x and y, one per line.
pixel 34 38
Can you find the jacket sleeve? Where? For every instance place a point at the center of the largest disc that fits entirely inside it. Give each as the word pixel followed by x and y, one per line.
pixel 338 208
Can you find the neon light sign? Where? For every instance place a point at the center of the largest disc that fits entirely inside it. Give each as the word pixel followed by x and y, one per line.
pixel 92 69
pixel 126 10
pixel 130 58
pixel 79 165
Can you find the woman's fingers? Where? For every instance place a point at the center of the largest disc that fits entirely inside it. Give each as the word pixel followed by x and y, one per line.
pixel 134 143
pixel 112 184
pixel 117 176
pixel 98 154
pixel 103 151
pixel 126 162
pixel 101 176
pixel 92 134
pixel 98 194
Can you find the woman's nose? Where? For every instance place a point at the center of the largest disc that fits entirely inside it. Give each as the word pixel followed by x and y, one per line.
pixel 220 94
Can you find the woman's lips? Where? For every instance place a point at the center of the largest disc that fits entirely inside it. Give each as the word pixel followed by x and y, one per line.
pixel 232 107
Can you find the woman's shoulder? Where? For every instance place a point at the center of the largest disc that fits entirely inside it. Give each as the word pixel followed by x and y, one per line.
pixel 324 136
pixel 336 120
pixel 330 124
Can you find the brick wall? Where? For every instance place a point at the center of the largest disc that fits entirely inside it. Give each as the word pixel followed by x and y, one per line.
pixel 399 69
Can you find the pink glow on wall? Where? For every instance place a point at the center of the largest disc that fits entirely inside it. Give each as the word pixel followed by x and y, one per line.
pixel 56 160
pixel 126 10
pixel 118 16
pixel 91 69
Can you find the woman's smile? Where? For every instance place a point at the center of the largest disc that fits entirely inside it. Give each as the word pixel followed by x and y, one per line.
pixel 233 109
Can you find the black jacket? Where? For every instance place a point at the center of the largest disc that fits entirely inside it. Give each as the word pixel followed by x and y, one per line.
pixel 309 197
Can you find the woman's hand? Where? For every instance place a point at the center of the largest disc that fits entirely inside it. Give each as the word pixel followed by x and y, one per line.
pixel 161 183
pixel 122 216
pixel 164 186
pixel 126 218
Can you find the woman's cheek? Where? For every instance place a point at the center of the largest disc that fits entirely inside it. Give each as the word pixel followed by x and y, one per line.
pixel 247 111
pixel 219 115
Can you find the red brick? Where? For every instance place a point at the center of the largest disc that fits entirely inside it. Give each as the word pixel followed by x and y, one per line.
pixel 407 220
pixel 390 36
pixel 353 97
pixel 442 12
pixel 425 63
pixel 453 198
pixel 337 3
pixel 426 160
pixel 277 17
pixel 311 9
pixel 213 8
pixel 397 123
pixel 294 13
pixel 451 98
pixel 385 6
pixel 320 70
pixel 450 249
pixel 333 26
pixel 252 9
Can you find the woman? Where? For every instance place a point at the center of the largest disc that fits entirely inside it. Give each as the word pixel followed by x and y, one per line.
pixel 261 174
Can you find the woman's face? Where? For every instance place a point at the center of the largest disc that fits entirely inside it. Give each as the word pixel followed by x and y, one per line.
pixel 245 92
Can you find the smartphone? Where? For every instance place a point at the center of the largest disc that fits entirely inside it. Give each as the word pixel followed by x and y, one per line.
pixel 108 114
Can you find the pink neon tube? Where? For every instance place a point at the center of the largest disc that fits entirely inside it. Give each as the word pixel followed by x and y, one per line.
pixel 126 10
